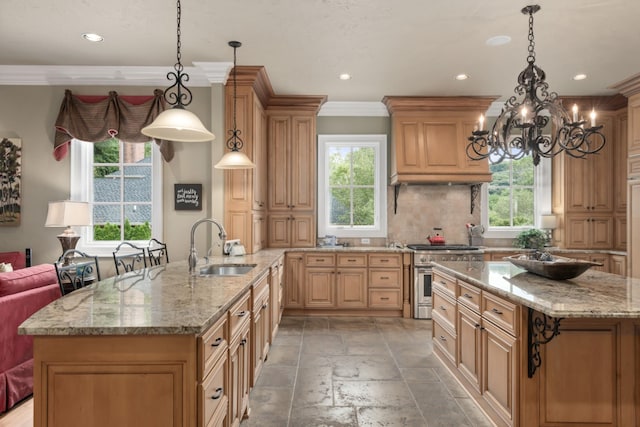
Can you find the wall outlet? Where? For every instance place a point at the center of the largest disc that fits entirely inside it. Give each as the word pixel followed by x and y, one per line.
pixel 365 241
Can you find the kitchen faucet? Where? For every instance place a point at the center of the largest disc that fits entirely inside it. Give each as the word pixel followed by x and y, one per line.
pixel 193 257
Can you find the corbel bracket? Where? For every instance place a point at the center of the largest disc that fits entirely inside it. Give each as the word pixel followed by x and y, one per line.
pixel 541 329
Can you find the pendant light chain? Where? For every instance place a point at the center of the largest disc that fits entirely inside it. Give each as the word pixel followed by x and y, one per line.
pixel 531 58
pixel 178 34
pixel 235 127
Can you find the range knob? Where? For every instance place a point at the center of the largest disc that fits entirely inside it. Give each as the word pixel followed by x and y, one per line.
pixel 423 259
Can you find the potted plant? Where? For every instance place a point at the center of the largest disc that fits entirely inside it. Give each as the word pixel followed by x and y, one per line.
pixel 531 239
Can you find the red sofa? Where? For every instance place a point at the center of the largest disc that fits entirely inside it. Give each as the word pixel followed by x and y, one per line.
pixel 22 293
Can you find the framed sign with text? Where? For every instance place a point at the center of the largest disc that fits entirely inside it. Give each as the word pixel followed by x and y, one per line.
pixel 188 197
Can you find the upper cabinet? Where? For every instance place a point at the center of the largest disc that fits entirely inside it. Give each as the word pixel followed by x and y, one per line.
pixel 430 138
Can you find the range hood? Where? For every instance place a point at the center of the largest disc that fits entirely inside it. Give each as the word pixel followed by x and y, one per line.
pixel 429 139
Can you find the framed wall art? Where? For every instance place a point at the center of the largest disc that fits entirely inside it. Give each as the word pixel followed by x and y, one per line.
pixel 10 181
pixel 188 197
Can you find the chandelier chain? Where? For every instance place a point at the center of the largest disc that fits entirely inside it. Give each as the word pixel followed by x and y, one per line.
pixel 531 58
pixel 235 127
pixel 178 34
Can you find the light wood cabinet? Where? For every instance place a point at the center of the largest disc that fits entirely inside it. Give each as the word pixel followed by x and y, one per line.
pixel 430 137
pixel 213 375
pixel 589 194
pixel 276 292
pixel 294 289
pixel 292 178
pixel 618 264
pixel 245 190
pixel 260 326
pixel 385 281
pixel 239 360
pixel 320 286
pixel 338 282
pixel 469 346
pixel 351 287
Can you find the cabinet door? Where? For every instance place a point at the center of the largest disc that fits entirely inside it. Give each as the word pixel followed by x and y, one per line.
pixel 302 165
pixel 303 230
pixel 259 156
pixel 279 166
pixel 319 288
pixel 259 225
pixel 469 346
pixel 352 288
pixel 620 161
pixel 633 224
pixel 244 360
pixel 588 232
pixel 294 281
pixel 279 230
pixel 499 371
pixel 618 265
pixel 409 149
pixel 601 232
pixel 441 145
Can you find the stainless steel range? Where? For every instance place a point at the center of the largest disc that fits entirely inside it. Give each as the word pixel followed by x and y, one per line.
pixel 423 256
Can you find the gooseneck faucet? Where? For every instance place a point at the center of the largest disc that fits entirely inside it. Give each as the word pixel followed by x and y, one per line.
pixel 193 256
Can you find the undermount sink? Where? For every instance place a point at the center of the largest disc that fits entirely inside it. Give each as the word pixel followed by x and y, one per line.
pixel 226 269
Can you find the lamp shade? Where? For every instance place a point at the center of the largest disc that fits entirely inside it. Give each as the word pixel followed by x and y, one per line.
pixel 67 213
pixel 548 222
pixel 235 160
pixel 178 124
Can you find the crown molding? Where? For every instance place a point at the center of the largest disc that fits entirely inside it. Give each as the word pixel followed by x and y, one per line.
pixel 203 74
pixel 629 86
pixel 397 104
pixel 357 109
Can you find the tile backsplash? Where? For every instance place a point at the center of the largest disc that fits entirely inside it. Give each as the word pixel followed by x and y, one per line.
pixel 423 207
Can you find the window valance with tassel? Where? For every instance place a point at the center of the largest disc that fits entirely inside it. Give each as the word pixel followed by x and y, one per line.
pixel 100 118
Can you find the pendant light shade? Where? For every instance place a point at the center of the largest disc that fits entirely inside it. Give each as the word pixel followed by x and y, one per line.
pixel 235 159
pixel 176 123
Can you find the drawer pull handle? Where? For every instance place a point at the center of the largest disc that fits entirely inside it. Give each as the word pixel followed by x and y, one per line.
pixel 443 283
pixel 384 260
pixel 384 298
pixel 384 277
pixel 264 305
pixel 242 313
pixel 466 295
pixel 243 342
pixel 217 342
pixel 477 325
pixel 218 394
pixel 319 259
pixel 496 311
pixel 351 260
pixel 442 338
pixel 442 307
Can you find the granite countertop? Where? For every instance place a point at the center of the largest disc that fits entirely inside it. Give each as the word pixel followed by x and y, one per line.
pixel 339 248
pixel 553 250
pixel 154 301
pixel 593 294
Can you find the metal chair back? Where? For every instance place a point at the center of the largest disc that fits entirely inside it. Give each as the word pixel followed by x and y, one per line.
pixel 76 269
pixel 129 257
pixel 157 253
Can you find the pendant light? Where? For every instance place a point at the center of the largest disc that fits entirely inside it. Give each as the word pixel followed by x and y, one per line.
pixel 177 123
pixel 235 159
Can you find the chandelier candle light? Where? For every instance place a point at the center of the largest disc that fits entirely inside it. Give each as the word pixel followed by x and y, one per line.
pixel 177 123
pixel 235 159
pixel 521 129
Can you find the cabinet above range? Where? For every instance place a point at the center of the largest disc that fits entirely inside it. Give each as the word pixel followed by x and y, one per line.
pixel 430 137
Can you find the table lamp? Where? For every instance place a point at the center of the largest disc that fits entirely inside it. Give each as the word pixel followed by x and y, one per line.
pixel 548 223
pixel 67 213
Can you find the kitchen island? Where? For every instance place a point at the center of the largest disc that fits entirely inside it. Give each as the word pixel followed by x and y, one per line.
pixel 538 352
pixel 149 348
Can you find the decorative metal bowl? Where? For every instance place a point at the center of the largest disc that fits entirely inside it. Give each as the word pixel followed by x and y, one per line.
pixel 550 266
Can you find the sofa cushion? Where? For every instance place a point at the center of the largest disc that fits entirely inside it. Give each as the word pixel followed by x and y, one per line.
pixel 27 278
pixel 16 259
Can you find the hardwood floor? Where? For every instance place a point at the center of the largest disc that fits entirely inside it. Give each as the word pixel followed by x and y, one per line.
pixel 19 416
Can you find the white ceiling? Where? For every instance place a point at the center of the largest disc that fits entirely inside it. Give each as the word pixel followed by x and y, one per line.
pixel 391 47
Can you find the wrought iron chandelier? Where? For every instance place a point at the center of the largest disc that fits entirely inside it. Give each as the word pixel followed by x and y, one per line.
pixel 235 159
pixel 523 125
pixel 177 123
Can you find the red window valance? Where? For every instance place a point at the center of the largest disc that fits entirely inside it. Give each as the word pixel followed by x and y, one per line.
pixel 97 118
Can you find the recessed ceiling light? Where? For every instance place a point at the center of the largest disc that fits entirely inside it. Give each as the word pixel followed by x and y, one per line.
pixel 498 40
pixel 462 77
pixel 345 76
pixel 579 77
pixel 92 37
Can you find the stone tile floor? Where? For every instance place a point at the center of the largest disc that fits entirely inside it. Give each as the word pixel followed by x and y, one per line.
pixel 338 371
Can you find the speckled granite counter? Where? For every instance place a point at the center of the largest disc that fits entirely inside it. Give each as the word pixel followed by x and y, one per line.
pixel 593 294
pixel 155 301
pixel 340 249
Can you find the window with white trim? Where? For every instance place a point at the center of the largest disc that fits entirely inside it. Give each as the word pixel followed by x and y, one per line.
pixel 517 196
pixel 122 182
pixel 352 196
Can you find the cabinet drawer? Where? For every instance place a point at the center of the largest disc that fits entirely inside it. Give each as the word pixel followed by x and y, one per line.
pixel 320 260
pixel 212 344
pixel 501 312
pixel 385 278
pixel 379 298
pixel 445 308
pixel 385 260
pixel 239 313
pixel 260 289
pixel 212 393
pixel 445 341
pixel 469 296
pixel 352 260
pixel 446 283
